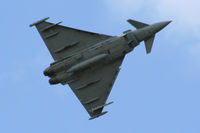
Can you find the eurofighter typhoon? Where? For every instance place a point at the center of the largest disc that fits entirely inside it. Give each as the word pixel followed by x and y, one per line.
pixel 89 62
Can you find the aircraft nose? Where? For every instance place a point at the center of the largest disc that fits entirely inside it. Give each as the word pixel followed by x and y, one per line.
pixel 164 24
pixel 159 26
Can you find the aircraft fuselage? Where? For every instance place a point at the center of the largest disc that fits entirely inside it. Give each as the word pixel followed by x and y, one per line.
pixel 99 54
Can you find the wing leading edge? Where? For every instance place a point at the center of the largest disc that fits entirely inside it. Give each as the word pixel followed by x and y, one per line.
pixel 94 85
pixel 63 42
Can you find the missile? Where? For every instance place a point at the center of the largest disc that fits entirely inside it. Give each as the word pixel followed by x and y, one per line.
pixel 85 64
pixel 60 66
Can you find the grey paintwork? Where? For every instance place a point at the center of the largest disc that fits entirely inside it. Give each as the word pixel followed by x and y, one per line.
pixel 89 62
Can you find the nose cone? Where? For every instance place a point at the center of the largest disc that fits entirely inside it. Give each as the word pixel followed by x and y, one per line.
pixel 163 24
pixel 159 26
pixel 149 31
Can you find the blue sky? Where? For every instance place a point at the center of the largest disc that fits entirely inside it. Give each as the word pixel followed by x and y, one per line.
pixel 153 93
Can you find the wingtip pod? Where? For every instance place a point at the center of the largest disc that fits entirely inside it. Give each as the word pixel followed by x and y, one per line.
pixel 97 108
pixel 98 115
pixel 40 21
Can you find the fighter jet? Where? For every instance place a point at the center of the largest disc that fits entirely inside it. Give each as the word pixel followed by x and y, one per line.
pixel 90 62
